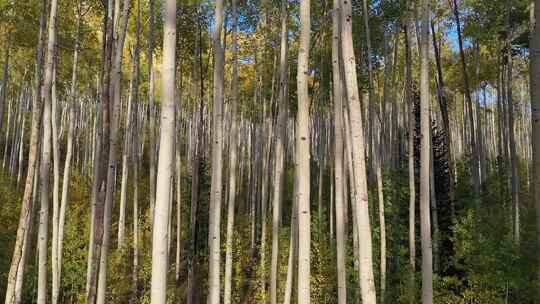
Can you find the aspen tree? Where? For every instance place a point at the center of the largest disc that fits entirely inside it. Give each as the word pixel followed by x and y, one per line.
pixel 338 154
pixel 160 253
pixel 279 161
pixel 357 148
pixel 233 159
pixel 425 147
pixel 46 157
pixel 101 184
pixel 214 259
pixel 473 141
pixel 18 260
pixel 535 119
pixel 302 156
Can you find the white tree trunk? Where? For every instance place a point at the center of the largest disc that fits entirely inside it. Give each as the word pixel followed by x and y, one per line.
pixel 160 253
pixel 338 155
pixel 18 261
pixel 358 156
pixel 217 145
pixel 233 147
pixel 46 158
pixel 425 147
pixel 279 162
pixel 303 157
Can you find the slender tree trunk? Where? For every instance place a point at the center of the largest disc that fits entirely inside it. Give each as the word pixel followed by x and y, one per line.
pixel 114 90
pixel 151 105
pixel 511 129
pixel 56 186
pixel 160 253
pixel 412 185
pixel 443 106
pixel 425 147
pixel 103 163
pixel 279 161
pixel 18 260
pixel 217 145
pixel 341 237
pixel 5 78
pixel 125 161
pixel 196 161
pixel 535 107
pixel 136 160
pixel 233 159
pixel 46 158
pixel 382 224
pixel 303 156
pixel 367 282
pixel 475 157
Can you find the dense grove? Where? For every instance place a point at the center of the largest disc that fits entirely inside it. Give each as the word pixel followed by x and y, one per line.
pixel 257 151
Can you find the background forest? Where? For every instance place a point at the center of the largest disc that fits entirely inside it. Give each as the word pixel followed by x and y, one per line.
pixel 264 151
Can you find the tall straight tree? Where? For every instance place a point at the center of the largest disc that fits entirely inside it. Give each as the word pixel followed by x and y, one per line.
pixel 425 148
pixel 5 77
pixel 151 106
pixel 363 228
pixel 46 157
pixel 233 158
pixel 302 156
pixel 535 106
pixel 69 152
pixel 217 145
pixel 473 141
pixel 279 162
pixel 160 252
pixel 338 154
pixel 102 163
pixel 18 260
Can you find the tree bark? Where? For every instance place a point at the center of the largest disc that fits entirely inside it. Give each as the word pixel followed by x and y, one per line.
pixel 160 252
pixel 233 159
pixel 46 157
pixel 279 161
pixel 214 258
pixel 475 157
pixel 535 107
pixel 303 156
pixel 18 260
pixel 69 153
pixel 341 237
pixel 425 147
pixel 103 163
pixel 367 282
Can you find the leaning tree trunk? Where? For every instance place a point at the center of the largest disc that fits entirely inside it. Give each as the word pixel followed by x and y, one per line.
pixel 358 157
pixel 302 156
pixel 160 252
